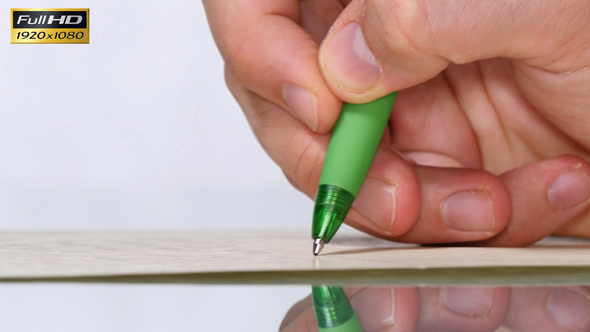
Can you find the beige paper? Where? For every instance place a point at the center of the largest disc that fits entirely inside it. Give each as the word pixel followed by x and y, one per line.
pixel 279 258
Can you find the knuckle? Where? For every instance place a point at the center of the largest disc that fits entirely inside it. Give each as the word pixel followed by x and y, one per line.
pixel 230 81
pixel 237 61
pixel 304 164
pixel 404 26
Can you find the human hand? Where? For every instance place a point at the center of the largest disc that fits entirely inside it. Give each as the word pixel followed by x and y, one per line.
pixel 474 147
pixel 473 309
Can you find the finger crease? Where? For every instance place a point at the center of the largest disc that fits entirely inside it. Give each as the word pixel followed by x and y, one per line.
pixel 495 107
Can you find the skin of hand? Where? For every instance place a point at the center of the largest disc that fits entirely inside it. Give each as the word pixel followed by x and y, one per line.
pixel 489 138
pixel 456 309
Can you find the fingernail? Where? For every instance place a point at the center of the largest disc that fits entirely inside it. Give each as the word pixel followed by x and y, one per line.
pixel 467 301
pixel 569 190
pixel 302 102
pixel 374 308
pixel 469 211
pixel 376 202
pixel 569 309
pixel 348 60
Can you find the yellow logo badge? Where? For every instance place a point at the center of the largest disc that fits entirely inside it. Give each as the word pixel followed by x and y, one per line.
pixel 49 26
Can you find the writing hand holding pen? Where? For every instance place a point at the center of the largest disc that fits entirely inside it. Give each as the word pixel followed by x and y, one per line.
pixel 488 139
pixel 473 309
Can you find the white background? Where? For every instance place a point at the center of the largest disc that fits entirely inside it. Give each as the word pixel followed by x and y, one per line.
pixel 135 131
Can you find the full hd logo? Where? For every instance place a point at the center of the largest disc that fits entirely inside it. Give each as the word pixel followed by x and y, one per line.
pixel 49 26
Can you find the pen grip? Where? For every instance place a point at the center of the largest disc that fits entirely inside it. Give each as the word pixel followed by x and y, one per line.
pixel 354 142
pixel 352 325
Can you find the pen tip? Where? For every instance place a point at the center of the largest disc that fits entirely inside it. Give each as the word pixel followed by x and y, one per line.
pixel 318 244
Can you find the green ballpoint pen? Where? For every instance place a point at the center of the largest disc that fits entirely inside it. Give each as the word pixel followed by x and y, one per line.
pixel 353 145
pixel 333 311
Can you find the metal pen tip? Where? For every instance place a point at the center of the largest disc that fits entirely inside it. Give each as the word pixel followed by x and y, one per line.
pixel 318 244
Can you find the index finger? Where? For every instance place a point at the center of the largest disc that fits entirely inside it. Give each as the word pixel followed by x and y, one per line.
pixel 267 51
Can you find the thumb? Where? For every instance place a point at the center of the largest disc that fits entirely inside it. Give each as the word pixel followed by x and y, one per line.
pixel 377 46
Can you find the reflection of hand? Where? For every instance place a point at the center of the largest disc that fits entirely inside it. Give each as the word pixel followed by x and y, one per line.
pixel 472 309
pixel 512 115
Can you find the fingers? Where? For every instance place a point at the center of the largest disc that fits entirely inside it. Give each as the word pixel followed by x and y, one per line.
pixel 429 126
pixel 397 201
pixel 518 208
pixel 459 205
pixel 384 309
pixel 269 53
pixel 401 309
pixel 276 130
pixel 426 204
pixel 545 196
pixel 393 179
pixel 297 310
pixel 455 205
pixel 548 309
pixel 387 309
pixel 459 309
pixel 380 46
pixel 300 318
pixel 578 227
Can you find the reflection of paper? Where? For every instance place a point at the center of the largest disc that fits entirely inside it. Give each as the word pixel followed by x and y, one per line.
pixel 278 257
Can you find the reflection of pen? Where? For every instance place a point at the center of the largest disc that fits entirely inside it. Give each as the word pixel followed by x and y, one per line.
pixel 333 311
pixel 354 141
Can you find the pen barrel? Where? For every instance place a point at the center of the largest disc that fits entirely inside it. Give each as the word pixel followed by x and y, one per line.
pixel 351 151
pixel 354 142
pixel 352 325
